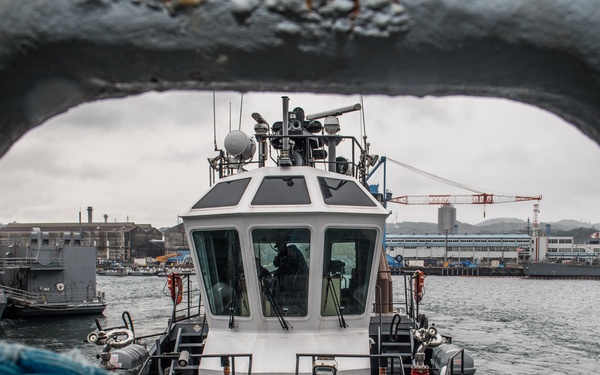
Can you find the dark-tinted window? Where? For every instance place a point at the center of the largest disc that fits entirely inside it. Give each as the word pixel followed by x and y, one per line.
pixel 224 194
pixel 348 256
pixel 282 260
pixel 343 193
pixel 282 190
pixel 220 257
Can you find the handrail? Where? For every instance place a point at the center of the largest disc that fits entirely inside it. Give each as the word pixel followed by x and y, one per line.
pixel 175 356
pixel 20 294
pixel 190 308
pixel 32 262
pixel 370 356
pixel 450 364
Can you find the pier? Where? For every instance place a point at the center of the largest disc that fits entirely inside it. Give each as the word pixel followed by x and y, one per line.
pixel 464 271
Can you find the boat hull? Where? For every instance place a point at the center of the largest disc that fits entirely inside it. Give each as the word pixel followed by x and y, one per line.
pixel 561 270
pixel 21 311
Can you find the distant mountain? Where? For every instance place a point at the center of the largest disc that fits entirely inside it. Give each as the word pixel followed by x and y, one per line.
pixel 409 227
pixel 502 220
pixel 500 225
pixel 571 224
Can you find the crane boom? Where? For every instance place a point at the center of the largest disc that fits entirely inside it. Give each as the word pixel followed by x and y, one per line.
pixel 461 199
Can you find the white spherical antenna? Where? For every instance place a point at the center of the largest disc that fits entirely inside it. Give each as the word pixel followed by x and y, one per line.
pixel 237 143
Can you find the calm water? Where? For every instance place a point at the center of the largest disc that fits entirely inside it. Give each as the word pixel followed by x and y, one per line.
pixel 509 325
pixel 520 326
pixel 142 296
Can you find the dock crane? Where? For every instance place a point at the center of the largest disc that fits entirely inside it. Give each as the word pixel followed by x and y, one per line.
pixel 445 199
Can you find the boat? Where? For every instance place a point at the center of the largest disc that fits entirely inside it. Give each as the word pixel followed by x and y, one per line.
pixel 40 278
pixel 564 270
pixel 116 271
pixel 3 301
pixel 290 270
pixel 143 272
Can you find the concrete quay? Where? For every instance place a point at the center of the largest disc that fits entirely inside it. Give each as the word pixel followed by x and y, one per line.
pixel 464 271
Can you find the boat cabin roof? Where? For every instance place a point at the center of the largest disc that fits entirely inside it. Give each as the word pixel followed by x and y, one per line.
pixel 297 189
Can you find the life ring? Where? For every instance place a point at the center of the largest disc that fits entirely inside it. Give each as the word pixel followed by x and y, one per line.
pixel 175 287
pixel 60 287
pixel 419 283
pixel 399 258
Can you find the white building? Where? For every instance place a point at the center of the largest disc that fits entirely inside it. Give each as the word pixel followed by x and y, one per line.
pixel 553 247
pixel 436 249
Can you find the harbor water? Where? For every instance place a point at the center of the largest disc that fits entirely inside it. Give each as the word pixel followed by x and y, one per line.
pixel 509 325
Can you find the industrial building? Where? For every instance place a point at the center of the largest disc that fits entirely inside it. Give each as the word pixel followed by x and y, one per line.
pixel 564 248
pixel 120 241
pixel 437 249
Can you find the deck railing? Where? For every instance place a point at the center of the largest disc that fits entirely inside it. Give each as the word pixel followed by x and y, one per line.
pixel 32 262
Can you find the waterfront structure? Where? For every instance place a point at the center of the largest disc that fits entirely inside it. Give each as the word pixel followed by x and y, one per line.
pixel 437 249
pixel 175 239
pixel 555 248
pixel 117 240
pixel 447 219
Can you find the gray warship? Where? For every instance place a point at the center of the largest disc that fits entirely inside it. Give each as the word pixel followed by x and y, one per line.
pixel 42 278
pixel 561 270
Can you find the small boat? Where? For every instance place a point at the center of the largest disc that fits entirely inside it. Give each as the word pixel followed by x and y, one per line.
pixel 142 272
pixel 40 278
pixel 118 271
pixel 290 272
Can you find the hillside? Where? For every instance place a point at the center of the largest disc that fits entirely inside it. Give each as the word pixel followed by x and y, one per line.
pixel 577 229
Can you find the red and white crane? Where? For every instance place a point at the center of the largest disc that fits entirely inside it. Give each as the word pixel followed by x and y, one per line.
pixel 443 199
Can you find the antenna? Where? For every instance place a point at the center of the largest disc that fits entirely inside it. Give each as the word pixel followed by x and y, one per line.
pixel 241 106
pixel 363 129
pixel 215 121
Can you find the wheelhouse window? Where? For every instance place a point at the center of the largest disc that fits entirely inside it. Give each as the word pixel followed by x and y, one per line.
pixel 220 258
pixel 343 193
pixel 348 257
pixel 224 194
pixel 282 260
pixel 278 190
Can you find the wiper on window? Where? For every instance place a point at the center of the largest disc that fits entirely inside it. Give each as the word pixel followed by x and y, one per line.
pixel 336 302
pixel 233 303
pixel 275 304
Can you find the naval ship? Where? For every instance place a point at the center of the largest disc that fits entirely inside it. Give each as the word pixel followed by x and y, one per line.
pixel 290 271
pixel 41 278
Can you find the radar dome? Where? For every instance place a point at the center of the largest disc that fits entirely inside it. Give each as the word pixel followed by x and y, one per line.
pixel 237 143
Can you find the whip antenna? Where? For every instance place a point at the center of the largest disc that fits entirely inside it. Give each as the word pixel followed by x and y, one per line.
pixel 363 129
pixel 215 121
pixel 241 106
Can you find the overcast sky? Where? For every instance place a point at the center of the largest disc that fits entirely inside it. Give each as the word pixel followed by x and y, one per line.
pixel 144 158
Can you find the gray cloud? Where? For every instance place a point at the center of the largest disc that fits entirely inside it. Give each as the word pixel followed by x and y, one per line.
pixel 145 157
